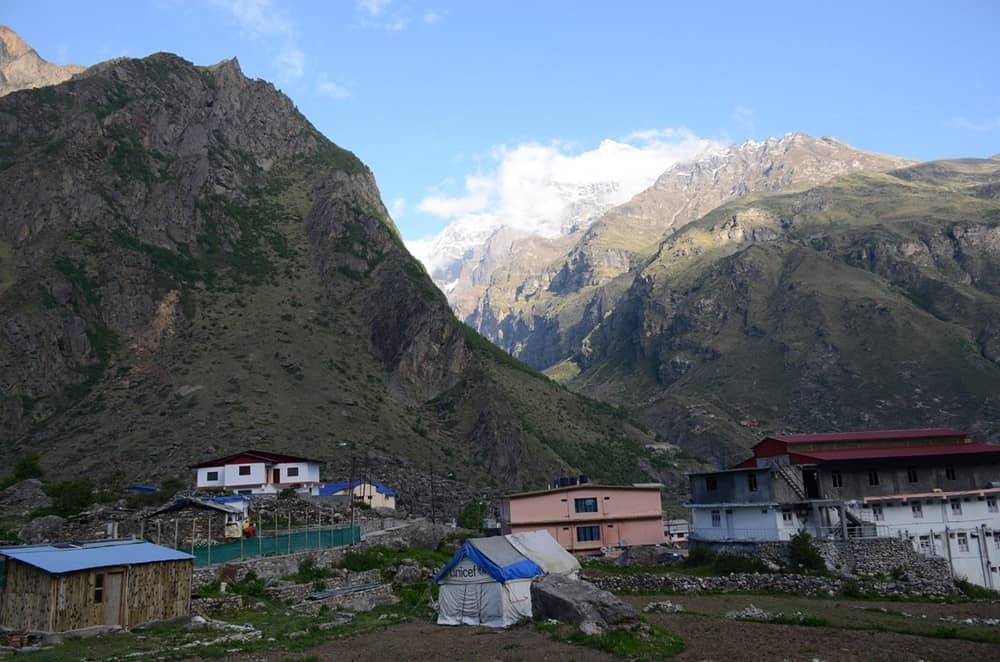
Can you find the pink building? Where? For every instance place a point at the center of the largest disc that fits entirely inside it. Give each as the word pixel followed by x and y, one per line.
pixel 587 517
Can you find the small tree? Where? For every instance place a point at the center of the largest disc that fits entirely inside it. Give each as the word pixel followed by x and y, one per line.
pixel 472 515
pixel 70 497
pixel 803 553
pixel 27 466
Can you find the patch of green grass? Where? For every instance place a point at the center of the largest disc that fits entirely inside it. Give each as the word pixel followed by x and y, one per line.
pixel 650 642
pixel 975 591
pixel 128 155
pixel 378 557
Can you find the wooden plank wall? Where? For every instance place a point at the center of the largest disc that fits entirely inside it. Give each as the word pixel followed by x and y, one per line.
pixel 74 601
pixel 25 602
pixel 158 591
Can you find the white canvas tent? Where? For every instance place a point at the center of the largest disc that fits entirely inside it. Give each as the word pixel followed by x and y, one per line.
pixel 488 582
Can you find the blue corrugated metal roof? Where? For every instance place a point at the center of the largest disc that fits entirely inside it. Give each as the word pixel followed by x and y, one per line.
pixel 326 489
pixel 57 560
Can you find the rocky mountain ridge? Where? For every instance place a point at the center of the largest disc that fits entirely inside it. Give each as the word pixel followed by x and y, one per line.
pixel 541 311
pixel 189 268
pixel 22 68
pixel 868 302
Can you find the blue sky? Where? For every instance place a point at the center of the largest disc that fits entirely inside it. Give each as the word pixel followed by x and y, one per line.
pixel 427 92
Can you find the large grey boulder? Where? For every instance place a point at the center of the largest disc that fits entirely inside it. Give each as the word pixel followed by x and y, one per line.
pixel 23 497
pixel 575 601
pixel 408 574
pixel 41 530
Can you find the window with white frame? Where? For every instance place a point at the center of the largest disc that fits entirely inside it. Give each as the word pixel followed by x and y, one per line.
pixel 245 470
pixel 925 544
pixel 877 513
pixel 918 510
pixel 292 472
pixel 963 542
pixel 786 518
pixel 716 518
pixel 956 506
pixel 996 539
pixel 991 504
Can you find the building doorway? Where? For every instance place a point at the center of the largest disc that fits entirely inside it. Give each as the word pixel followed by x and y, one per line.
pixel 810 480
pixel 276 476
pixel 112 598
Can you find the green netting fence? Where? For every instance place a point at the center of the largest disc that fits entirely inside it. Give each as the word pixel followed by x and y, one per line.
pixel 272 545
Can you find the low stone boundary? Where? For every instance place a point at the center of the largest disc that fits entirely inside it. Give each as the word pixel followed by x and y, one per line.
pixel 871 557
pixel 767 583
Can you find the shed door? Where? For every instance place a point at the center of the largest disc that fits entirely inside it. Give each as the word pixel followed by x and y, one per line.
pixel 276 476
pixel 113 598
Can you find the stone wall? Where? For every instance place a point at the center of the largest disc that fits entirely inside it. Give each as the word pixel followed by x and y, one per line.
pixel 778 583
pixel 864 557
pixel 271 567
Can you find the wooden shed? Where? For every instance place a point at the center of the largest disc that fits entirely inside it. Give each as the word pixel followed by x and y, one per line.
pixel 56 588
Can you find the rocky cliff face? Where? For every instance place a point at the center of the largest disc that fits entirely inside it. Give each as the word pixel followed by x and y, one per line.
pixel 868 302
pixel 188 268
pixel 540 311
pixel 21 67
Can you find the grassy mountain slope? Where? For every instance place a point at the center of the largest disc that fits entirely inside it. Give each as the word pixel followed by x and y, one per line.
pixel 873 301
pixel 188 268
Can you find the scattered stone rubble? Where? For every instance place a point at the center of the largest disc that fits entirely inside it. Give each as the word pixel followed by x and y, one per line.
pixel 779 583
pixel 665 607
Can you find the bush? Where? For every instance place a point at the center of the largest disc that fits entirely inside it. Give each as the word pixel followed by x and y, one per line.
pixel 70 497
pixel 173 485
pixel 472 515
pixel 702 561
pixel 287 493
pixel 251 585
pixel 803 553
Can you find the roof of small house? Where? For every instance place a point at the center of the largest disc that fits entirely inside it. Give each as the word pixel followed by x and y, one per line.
pixel 247 457
pixel 514 556
pixel 70 557
pixel 327 489
pixel 846 454
pixel 872 435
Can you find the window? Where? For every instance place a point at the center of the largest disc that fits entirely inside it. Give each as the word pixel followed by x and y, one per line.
pixel 588 533
pixel 872 477
pixel 711 483
pixel 211 475
pixel 752 482
pixel 838 480
pixel 956 506
pixel 918 510
pixel 963 542
pixel 716 518
pixel 996 539
pixel 877 513
pixel 925 544
pixel 949 472
pixel 786 518
pixel 99 588
pixel 245 470
pixel 991 504
pixel 588 505
pixel 911 475
pixel 292 472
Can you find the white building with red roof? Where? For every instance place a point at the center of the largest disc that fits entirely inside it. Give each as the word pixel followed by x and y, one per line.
pixel 258 472
pixel 935 487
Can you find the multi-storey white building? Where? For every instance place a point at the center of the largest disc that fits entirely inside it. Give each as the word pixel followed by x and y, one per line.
pixel 935 488
pixel 258 472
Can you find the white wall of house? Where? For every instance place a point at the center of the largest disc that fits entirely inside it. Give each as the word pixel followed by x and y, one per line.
pixel 209 477
pixel 369 494
pixel 306 472
pixel 728 522
pixel 235 480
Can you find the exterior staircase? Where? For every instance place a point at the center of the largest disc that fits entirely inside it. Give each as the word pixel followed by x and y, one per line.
pixel 794 479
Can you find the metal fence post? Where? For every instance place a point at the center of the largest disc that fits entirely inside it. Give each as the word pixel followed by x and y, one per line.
pixel 209 540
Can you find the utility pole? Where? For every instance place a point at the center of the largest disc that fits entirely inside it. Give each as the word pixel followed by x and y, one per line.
pixel 433 511
pixel 350 493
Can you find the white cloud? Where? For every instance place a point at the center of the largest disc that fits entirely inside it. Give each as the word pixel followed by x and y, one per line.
pixel 373 7
pixel 432 16
pixel 397 208
pixel 260 21
pixel 542 189
pixel 329 88
pixel 992 124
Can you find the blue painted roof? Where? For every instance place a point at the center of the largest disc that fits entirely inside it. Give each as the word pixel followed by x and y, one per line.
pixel 326 489
pixel 142 488
pixel 524 568
pixel 58 560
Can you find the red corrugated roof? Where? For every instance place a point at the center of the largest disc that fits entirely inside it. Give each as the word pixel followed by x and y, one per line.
pixel 873 435
pixel 841 454
pixel 261 456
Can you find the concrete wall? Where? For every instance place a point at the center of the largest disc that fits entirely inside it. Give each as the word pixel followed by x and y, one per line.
pixel 234 480
pixel 560 505
pixel 750 523
pixel 732 487
pixel 612 533
pixel 308 473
